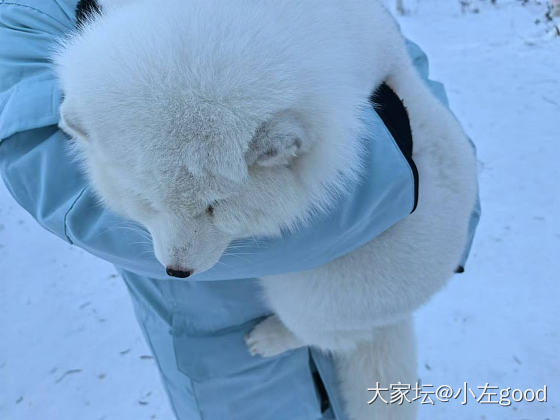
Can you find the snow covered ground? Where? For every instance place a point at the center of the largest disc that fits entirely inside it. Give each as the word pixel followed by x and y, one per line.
pixel 70 347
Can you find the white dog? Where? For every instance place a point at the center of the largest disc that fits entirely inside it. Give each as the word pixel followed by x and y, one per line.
pixel 208 121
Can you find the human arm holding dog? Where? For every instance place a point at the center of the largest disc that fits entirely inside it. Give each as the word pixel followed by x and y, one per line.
pixel 41 175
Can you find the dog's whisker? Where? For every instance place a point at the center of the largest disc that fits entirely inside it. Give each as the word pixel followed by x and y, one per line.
pixel 223 263
pixel 141 243
pixel 240 256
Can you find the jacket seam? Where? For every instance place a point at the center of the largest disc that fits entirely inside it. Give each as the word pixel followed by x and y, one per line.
pixel 68 212
pixel 31 8
pixel 161 372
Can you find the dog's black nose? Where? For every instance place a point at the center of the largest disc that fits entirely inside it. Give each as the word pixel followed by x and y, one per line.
pixel 178 273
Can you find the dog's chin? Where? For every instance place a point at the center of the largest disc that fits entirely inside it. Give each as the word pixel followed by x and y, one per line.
pixel 185 263
pixel 203 268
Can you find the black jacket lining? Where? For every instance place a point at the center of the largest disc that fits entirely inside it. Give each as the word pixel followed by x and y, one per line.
pixel 85 9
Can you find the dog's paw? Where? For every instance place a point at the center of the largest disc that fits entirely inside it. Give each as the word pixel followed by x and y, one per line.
pixel 271 337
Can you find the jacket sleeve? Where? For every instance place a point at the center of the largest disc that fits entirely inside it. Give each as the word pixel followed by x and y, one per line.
pixel 41 176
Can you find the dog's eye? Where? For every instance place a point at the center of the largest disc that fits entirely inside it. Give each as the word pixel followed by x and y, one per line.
pixel 210 210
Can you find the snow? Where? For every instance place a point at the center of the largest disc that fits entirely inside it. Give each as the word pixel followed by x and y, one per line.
pixel 71 348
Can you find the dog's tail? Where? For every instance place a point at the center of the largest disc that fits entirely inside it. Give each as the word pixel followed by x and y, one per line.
pixel 370 375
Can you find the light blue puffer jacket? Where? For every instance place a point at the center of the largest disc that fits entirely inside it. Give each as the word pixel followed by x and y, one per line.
pixel 195 327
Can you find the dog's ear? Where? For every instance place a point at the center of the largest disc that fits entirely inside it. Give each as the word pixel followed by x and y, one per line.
pixel 277 141
pixel 70 122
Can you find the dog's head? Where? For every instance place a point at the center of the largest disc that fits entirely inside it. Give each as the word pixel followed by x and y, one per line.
pixel 193 133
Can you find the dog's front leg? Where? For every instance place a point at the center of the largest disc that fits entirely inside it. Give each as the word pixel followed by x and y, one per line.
pixel 271 337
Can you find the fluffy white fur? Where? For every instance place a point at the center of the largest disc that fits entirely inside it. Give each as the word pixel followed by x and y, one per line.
pixel 208 121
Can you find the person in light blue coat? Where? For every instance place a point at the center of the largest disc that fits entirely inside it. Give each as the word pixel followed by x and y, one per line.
pixel 195 327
